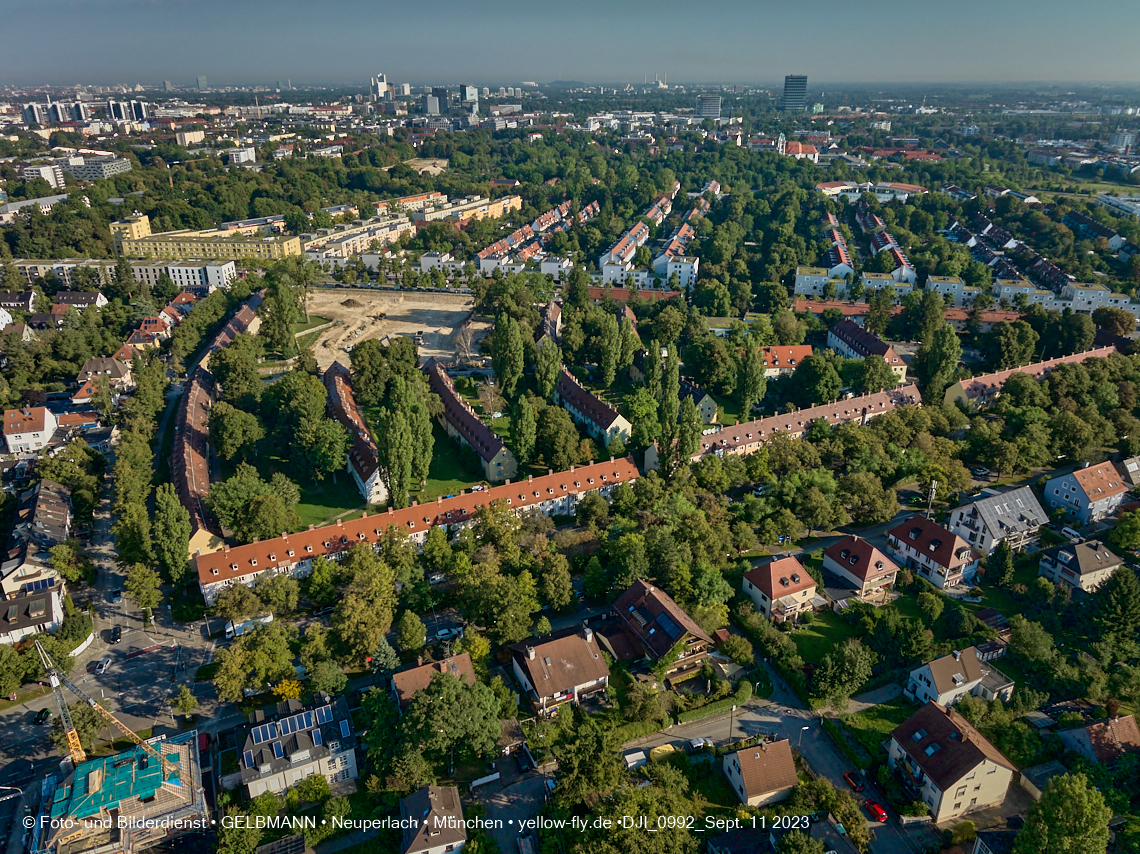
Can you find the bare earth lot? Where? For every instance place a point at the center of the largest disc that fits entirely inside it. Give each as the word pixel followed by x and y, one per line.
pixel 436 315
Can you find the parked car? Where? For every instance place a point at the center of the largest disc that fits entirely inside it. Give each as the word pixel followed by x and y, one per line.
pixel 876 810
pixel 981 472
pixel 42 717
pixel 102 666
pixel 435 578
pixel 447 634
pixel 855 781
pixel 117 634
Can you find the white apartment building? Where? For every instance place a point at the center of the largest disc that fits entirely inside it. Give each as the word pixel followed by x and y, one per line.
pixel 954 290
pixel 243 155
pixel 51 173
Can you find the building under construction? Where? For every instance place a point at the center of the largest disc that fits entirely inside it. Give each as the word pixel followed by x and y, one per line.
pixel 127 802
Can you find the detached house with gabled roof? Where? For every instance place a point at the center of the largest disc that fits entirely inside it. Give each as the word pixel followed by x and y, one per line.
pixel 782 360
pixel 601 420
pixel 407 683
pixel 1088 494
pixel 852 341
pixel 1079 566
pixel 28 429
pixel 1014 516
pixel 955 769
pixel 941 557
pixel 764 774
pixel 566 667
pixel 652 624
pixel 782 589
pixel 948 679
pixel 861 565
pixel 1104 741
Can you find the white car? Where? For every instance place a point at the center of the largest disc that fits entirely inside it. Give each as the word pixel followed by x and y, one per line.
pixel 448 634
pixel 102 666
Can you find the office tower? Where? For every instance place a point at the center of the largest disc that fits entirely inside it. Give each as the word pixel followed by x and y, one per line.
pixel 795 93
pixel 467 94
pixel 34 114
pixel 140 110
pixel 431 105
pixel 708 106
pixel 201 83
pixel 80 112
pixel 486 92
pixel 167 86
pixel 118 111
pixel 441 94
pixel 378 88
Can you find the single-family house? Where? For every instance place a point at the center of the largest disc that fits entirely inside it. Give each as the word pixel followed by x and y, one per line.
pixel 119 373
pixel 27 614
pixel 764 774
pixel 1079 566
pixel 706 406
pixel 567 667
pixel 1105 740
pixel 407 683
pixel 782 589
pixel 861 565
pixel 656 627
pixel 432 821
pixel 28 430
pixel 780 360
pixel 948 679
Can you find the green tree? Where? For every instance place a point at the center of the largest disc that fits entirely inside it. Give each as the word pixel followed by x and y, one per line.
pixel 843 672
pixel 797 842
pixel 1070 818
pixel 1000 566
pixel 256 660
pixel 237 602
pixel 547 368
pixel 86 721
pixel 384 658
pixel 132 535
pixel 1117 605
pixel 233 432
pixel 588 764
pixel 753 384
pixel 327 678
pixel 874 375
pixel 1126 534
pixel 266 517
pixel 507 353
pixel 1115 321
pixel 451 715
pixel 816 381
pixel 410 632
pixel 524 430
pixel 396 453
pixel 278 594
pixel 171 533
pixel 185 702
pixel 144 586
pixel 937 361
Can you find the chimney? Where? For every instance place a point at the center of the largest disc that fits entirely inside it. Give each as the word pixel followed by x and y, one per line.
pixel 957 655
pixel 530 653
pixel 529 478
pixel 589 635
pixel 419 661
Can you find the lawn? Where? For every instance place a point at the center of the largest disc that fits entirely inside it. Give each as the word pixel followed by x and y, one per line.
pixel 452 468
pixel 869 728
pixel 314 322
pixel 323 501
pixel 1025 570
pixel 826 632
pixel 727 409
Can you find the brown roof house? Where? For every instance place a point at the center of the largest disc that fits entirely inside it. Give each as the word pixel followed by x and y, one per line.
pixel 657 627
pixel 955 769
pixel 941 557
pixel 601 420
pixel 1104 741
pixel 565 668
pixel 1089 494
pixel 764 774
pixel 948 679
pixel 432 819
pixel 861 565
pixel 407 682
pixel 119 373
pixel 28 429
pixel 782 589
pixel 1079 566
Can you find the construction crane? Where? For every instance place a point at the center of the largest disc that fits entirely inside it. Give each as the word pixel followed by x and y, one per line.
pixel 74 745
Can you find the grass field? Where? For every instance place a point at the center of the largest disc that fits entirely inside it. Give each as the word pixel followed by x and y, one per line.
pixel 869 728
pixel 825 633
pixel 322 502
pixel 314 322
pixel 452 468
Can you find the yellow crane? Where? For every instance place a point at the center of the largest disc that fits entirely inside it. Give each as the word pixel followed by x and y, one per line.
pixel 58 679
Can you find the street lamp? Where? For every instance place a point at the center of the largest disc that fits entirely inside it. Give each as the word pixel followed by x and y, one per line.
pixel 800 743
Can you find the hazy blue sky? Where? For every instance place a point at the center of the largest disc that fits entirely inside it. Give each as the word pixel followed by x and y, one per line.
pixel 504 41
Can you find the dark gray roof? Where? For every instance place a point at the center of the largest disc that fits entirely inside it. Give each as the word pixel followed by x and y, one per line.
pixel 429 808
pixel 1083 558
pixel 1010 512
pixel 277 733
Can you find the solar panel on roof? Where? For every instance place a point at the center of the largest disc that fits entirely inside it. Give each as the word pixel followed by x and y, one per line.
pixel 324 714
pixel 317 738
pixel 308 720
pixel 670 628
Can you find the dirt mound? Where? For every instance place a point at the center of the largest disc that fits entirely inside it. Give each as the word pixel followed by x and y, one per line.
pixel 351 303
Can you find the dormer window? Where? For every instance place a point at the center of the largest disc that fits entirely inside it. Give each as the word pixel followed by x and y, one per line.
pixel 234 567
pixel 253 561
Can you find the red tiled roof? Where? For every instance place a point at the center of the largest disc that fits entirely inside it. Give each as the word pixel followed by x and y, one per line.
pixel 781 577
pixel 931 539
pixel 861 559
pixel 27 420
pixel 784 356
pixel 1100 481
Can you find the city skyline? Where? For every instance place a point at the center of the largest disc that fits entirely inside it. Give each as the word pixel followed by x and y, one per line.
pixel 179 41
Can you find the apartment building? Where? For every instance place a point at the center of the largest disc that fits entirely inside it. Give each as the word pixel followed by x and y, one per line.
pixel 134 239
pixel 28 614
pixel 601 420
pixel 51 173
pixel 815 282
pixel 96 168
pixel 983 389
pixel 471 207
pixel 288 742
pixel 954 290
pixel 467 428
pixel 1014 516
pixel 852 341
pixel 1089 494
pixel 557 493
pixel 940 556
pixel 954 767
pixel 866 569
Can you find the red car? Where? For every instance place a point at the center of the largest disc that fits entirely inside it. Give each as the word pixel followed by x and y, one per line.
pixel 855 781
pixel 877 811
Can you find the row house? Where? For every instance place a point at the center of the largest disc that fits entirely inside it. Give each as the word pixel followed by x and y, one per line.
pixel 980 391
pixel 601 420
pixel 1089 228
pixel 814 281
pixel 555 494
pixel 363 458
pixel 750 436
pixel 467 428
pixel 852 341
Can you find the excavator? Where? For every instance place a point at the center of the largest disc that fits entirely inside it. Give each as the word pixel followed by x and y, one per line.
pixel 58 680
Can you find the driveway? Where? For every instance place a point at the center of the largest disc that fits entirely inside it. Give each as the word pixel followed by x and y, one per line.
pixel 513 804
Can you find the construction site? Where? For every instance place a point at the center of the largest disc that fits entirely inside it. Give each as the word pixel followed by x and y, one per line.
pixel 442 324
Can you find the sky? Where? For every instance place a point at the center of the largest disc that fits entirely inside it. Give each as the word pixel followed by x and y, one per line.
pixel 236 42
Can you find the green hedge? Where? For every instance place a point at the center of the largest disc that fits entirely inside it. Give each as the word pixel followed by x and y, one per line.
pixel 743 695
pixel 638 729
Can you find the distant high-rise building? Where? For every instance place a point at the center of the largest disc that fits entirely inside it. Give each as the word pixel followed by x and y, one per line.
pixel 708 106
pixel 34 114
pixel 140 110
pixel 440 93
pixel 201 83
pixel 467 94
pixel 80 112
pixel 404 90
pixel 738 89
pixel 378 88
pixel 119 111
pixel 431 105
pixel 486 92
pixel 795 93
pixel 1123 139
pixel 167 86
pixel 59 113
